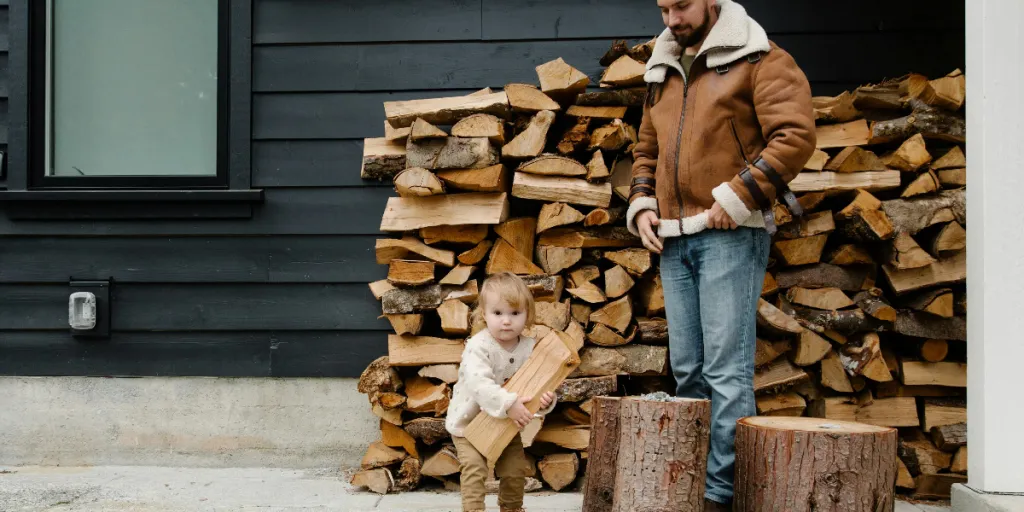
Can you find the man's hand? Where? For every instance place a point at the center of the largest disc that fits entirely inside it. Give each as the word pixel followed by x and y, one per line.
pixel 519 413
pixel 718 218
pixel 546 399
pixel 646 223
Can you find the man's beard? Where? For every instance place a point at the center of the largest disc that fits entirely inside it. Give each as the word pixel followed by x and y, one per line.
pixel 695 37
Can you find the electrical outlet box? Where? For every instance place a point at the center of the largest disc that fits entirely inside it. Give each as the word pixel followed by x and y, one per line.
pixel 101 290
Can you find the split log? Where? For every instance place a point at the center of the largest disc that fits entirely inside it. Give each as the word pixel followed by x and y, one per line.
pixel 934 351
pixel 553 314
pixel 382 159
pixel 454 317
pixel 959 464
pixel 873 303
pixel 777 375
pixel 393 134
pixel 394 437
pixel 580 390
pixel 576 334
pixel 774 321
pixel 379 288
pixel 572 437
pixel 634 469
pixel 444 111
pixel 903 478
pixel 855 159
pixel 865 359
pixel 428 430
pixel 545 288
pixel 400 301
pixel 603 336
pixel 553 165
pixel 411 213
pixel 633 97
pixel 764 352
pixel 926 183
pixel 800 251
pixel 531 141
pixel 936 487
pixel 624 72
pixel 850 254
pixel 410 272
pixel 863 219
pixel 635 261
pixel 476 254
pixel 653 331
pixel 945 271
pixel 560 80
pixel 519 233
pixel 393 416
pixel 930 122
pixel 652 296
pixel 949 438
pixel 853 133
pixel 489 179
pixel 948 92
pixel 887 412
pixel 528 98
pixel 481 125
pixel 916 373
pixel 953 159
pixel 813 224
pixel 422 130
pixel 833 374
pixel 770 285
pixel 820 298
pixel 913 215
pixel 801 454
pixel 556 259
pixel 447 373
pixel 921 456
pixel 923 325
pixel 783 404
pixel 423 350
pixel 629 359
pixel 590 238
pixel 905 254
pixel 616 282
pixel 937 301
pixel 444 462
pixel 838 109
pixel 549 364
pixel 377 480
pixel 379 455
pixel 817 161
pixel 610 137
pixel 604 216
pixel 885 95
pixel 378 378
pixel 559 470
pixel 467 234
pixel 588 292
pixel 836 182
pixel 567 190
pixel 616 315
pixel 458 275
pixel 451 153
pixel 575 138
pixel 387 249
pixel 406 324
pixel 911 155
pixel 939 412
pixel 952 237
pixel 557 214
pixel 597 170
pixel 581 314
pixel 849 279
pixel 426 397
pixel 810 348
pixel 606 113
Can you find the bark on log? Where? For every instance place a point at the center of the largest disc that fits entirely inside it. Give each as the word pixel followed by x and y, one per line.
pixel 626 97
pixel 930 122
pixel 650 455
pixel 913 215
pixel 823 275
pixel 949 438
pixel 809 464
pixel 580 390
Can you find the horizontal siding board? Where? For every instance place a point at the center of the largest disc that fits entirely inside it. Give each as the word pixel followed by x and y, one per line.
pixel 320 21
pixel 309 163
pixel 192 354
pixel 286 211
pixel 548 19
pixel 277 259
pixel 56 353
pixel 472 65
pixel 202 307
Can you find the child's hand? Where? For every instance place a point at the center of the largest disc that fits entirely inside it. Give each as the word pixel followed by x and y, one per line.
pixel 546 399
pixel 519 414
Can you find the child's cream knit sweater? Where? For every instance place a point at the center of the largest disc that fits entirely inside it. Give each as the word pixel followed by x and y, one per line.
pixel 485 368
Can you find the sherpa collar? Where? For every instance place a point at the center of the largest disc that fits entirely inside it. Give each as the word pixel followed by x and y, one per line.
pixel 734 36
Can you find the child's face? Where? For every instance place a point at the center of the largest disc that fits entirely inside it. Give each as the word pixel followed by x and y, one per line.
pixel 504 322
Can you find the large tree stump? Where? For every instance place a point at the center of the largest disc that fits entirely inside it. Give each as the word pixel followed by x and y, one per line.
pixel 813 464
pixel 647 453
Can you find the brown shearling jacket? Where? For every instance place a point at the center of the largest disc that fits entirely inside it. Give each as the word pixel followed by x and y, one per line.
pixel 744 99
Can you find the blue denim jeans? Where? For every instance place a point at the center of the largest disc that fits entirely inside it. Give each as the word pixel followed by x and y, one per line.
pixel 712 283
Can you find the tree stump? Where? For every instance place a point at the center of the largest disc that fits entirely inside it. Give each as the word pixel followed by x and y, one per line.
pixel 814 464
pixel 647 453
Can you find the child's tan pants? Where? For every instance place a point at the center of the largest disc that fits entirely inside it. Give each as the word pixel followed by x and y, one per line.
pixel 510 469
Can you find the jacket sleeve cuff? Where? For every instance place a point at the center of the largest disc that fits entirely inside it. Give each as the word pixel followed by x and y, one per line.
pixel 638 205
pixel 731 203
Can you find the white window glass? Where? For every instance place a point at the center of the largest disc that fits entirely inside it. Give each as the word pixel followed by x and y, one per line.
pixel 132 87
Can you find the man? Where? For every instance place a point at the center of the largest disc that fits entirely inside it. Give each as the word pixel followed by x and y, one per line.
pixel 726 124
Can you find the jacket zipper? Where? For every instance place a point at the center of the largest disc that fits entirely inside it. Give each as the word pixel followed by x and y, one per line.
pixel 739 145
pixel 679 142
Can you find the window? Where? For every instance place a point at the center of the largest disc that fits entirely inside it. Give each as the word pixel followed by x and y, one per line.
pixel 142 100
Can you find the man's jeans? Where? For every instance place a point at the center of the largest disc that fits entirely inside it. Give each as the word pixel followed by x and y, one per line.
pixel 712 283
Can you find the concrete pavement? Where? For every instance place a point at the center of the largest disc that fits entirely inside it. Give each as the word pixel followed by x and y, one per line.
pixel 165 489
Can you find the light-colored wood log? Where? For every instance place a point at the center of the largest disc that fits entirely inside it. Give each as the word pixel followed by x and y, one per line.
pixel 588 292
pixel 458 275
pixel 768 351
pixel 556 259
pixel 454 317
pixel 423 350
pixel 584 274
pixel 447 373
pixel 778 374
pixel 948 92
pixel 855 159
pixel 423 130
pixel 913 215
pixel 451 153
pixel 379 455
pixel 817 223
pixel 606 113
pixel 833 375
pixel 934 351
pixel 801 251
pixel 528 98
pixel 399 135
pixel 922 457
pixel 379 288
pixel 887 412
pixel 862 220
pixel 821 298
pixel 560 80
pixel 481 125
pixel 377 480
pixel 906 254
pixel 959 464
pixel 382 158
pixel 425 396
pixel 545 288
pixel 617 314
pixel 931 122
pixel 937 301
pixel 550 363
pixel 603 336
pixel 770 285
pixel 911 155
pixel 852 133
pixel 581 313
pixel 873 303
pixel 617 282
pixel 580 390
pixel 604 216
pixel 949 374
pixel 557 214
pixel 936 487
pixel 559 469
pixel 597 170
pixel 553 314
pixel 624 72
pixel 629 359
pixel 864 358
pixel 952 237
pixel 836 182
pixel 945 271
pixel 554 165
pixel 810 348
pixel 410 272
pixel 817 161
pixel 476 254
pixel 952 159
pixel 782 404
pixel 505 258
pixel 387 249
pixel 444 111
pixel 574 139
pixel 610 137
pixel 903 479
pixel 561 189
pixel 635 261
pixel 953 178
pixel 775 321
pixel 468 234
pixel 443 462
pixel 394 437
pixel 411 213
pixel 926 183
pixel 837 109
pixel 406 324
pixel 494 178
pixel 519 233
pixel 850 254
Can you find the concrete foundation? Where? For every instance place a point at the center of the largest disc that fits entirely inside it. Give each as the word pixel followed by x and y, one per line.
pixel 966 499
pixel 190 422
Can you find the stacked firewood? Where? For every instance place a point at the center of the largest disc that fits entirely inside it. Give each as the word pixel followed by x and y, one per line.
pixel 863 294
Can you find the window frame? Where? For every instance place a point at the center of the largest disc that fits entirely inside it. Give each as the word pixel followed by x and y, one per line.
pixel 26 180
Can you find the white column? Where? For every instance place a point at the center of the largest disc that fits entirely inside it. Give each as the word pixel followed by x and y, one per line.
pixel 995 241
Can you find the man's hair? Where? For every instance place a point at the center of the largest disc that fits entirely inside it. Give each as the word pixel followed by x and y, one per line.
pixel 507 287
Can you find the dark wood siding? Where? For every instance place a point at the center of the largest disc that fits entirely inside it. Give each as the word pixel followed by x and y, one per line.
pixel 284 293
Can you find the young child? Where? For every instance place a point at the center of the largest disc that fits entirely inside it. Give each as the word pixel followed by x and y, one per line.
pixel 490 358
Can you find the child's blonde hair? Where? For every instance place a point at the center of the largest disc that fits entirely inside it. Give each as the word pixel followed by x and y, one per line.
pixel 507 287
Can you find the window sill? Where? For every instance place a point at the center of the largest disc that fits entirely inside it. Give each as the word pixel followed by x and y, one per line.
pixel 129 204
